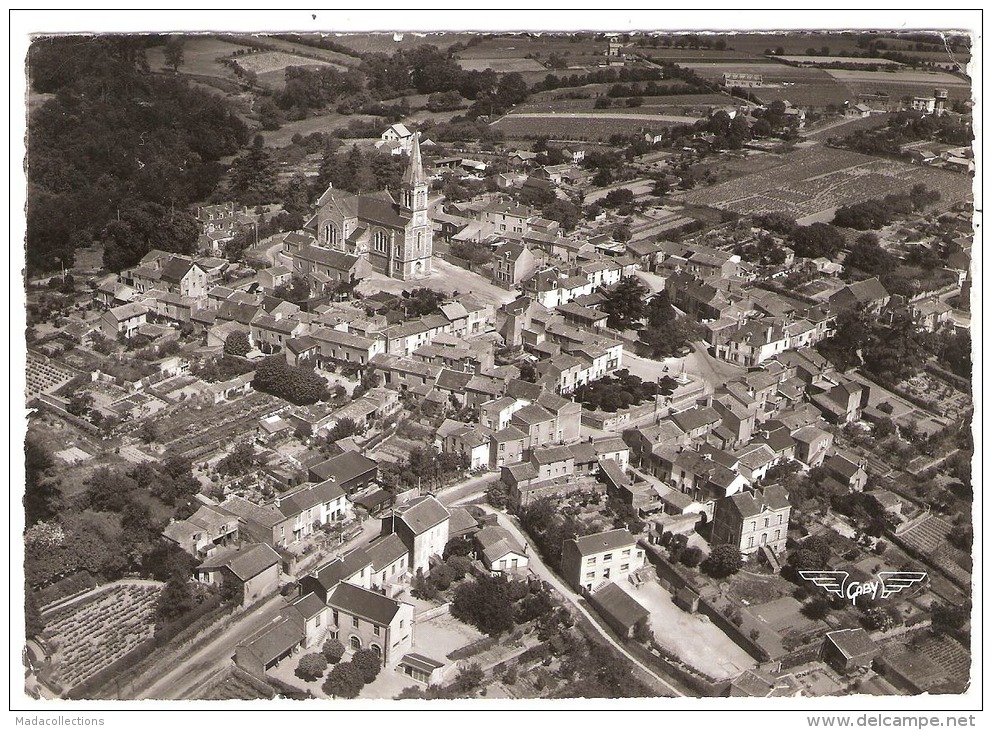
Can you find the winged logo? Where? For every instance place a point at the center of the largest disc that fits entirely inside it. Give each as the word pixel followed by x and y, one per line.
pixel 830 580
pixel 895 581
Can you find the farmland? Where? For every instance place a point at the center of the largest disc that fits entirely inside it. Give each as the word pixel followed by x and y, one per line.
pixel 583 126
pixel 651 103
pixel 501 65
pixel 201 56
pixel 271 65
pixel 812 181
pixel 93 634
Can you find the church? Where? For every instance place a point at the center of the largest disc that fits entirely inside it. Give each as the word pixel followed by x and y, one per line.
pixel 395 237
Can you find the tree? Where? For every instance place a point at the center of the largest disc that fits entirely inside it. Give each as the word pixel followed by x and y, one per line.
pixel 345 680
pixel 174 602
pixel 691 557
pixel 642 631
pixel 297 290
pixel 661 188
pixel 174 52
pixel 367 664
pixel 723 561
pixel 484 603
pixel 41 491
pixel 311 667
pixel 34 624
pixel 867 256
pixel 618 197
pixel 625 303
pixel 332 650
pixel 253 176
pixel 816 609
pixel 240 461
pixel 469 678
pixel 816 240
pixel 237 344
pixel 567 214
pixel 295 384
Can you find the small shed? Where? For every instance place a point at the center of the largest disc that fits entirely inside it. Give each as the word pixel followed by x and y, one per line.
pixel 849 650
pixel 422 668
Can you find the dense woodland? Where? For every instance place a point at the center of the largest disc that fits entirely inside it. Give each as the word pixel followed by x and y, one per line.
pixel 117 154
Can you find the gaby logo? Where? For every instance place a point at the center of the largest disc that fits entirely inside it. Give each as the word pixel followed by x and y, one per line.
pixel 837 583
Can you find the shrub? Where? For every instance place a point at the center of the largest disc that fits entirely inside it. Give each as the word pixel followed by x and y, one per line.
pixel 691 556
pixel 345 680
pixel 311 667
pixel 332 650
pixel 724 560
pixel 366 661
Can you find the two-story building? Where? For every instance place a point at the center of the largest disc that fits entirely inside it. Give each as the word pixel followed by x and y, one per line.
pixel 752 520
pixel 588 562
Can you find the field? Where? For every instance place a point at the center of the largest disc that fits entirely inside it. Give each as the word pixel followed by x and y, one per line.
pixel 200 57
pixel 384 43
pixel 300 49
pixel 812 181
pixel 826 60
pixel 268 61
pixel 902 83
pixel 502 65
pixel 583 126
pixel 770 71
pixel 95 633
pixel 519 46
pixel 651 103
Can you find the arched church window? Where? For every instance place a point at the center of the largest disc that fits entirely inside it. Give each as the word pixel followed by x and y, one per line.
pixel 331 234
pixel 379 241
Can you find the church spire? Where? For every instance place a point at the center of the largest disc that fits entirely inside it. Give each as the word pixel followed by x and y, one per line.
pixel 414 175
pixel 413 188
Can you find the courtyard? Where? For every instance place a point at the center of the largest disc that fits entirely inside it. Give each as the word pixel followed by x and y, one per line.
pixel 692 636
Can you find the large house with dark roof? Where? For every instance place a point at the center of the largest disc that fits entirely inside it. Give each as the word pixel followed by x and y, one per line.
pixel 422 525
pixel 588 562
pixel 394 236
pixel 753 520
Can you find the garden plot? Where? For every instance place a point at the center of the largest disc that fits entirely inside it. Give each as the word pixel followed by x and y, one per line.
pixel 817 180
pixel 94 634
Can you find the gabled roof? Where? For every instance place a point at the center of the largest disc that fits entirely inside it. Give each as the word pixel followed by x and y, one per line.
pixel 244 563
pixel 176 268
pixel 385 551
pixel 342 568
pixel 274 641
pixel 532 414
pixel 344 467
pixel 308 605
pixel 497 542
pixel 620 605
pixel 693 418
pixel 357 601
pixel 853 643
pixel 309 495
pixel 422 513
pixel 602 541
pixel 337 260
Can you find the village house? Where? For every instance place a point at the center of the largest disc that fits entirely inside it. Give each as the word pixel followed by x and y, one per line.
pixel 342 348
pixel 752 520
pixel 512 264
pixel 123 320
pixel 589 561
pixel 499 551
pixel 204 532
pixel 422 525
pixel 254 569
pixel 364 619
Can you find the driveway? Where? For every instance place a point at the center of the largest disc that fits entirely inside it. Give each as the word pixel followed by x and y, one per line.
pixel 713 372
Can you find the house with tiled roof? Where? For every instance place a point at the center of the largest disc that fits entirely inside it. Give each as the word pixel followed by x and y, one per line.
pixel 124 320
pixel 752 520
pixel 868 294
pixel 422 525
pixel 254 569
pixel 589 561
pixel 499 550
pixel 366 619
